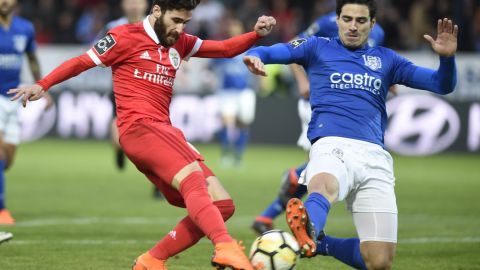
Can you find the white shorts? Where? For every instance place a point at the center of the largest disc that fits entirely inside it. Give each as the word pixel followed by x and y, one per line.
pixel 304 113
pixel 238 104
pixel 364 172
pixel 9 120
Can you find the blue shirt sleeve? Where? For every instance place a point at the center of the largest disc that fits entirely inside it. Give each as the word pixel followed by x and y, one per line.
pixel 441 81
pixel 296 51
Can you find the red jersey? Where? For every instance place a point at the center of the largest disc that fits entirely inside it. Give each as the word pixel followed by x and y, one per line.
pixel 143 70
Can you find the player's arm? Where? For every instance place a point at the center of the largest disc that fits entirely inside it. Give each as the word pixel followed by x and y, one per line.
pixel 236 45
pixel 34 65
pixel 444 79
pixel 302 80
pixel 257 58
pixel 65 71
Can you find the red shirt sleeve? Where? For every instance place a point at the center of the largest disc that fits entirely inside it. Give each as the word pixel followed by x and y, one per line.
pixel 110 49
pixel 188 45
pixel 67 70
pixel 227 48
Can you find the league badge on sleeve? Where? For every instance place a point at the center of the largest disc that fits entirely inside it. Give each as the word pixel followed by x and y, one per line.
pixel 297 42
pixel 104 44
pixel 373 62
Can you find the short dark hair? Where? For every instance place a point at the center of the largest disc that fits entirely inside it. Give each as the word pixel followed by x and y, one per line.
pixel 371 4
pixel 176 4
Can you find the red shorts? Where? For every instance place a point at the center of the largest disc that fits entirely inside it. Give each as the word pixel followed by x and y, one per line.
pixel 160 151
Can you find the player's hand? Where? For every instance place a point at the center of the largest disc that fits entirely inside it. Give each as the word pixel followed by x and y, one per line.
pixel 27 93
pixel 255 65
pixel 446 42
pixel 264 25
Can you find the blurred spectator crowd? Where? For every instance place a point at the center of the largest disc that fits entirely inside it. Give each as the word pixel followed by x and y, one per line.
pixel 404 21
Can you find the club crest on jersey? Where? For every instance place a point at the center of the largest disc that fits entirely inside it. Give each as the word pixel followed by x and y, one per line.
pixel 373 62
pixel 174 57
pixel 104 44
pixel 297 42
pixel 19 43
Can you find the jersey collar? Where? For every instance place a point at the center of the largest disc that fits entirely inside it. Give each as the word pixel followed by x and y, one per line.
pixel 149 29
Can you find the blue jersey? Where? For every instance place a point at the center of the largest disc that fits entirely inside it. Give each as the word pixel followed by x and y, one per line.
pixel 348 88
pixel 233 74
pixel 326 26
pixel 14 42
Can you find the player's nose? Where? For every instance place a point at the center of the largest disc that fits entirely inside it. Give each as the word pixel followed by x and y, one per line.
pixel 179 28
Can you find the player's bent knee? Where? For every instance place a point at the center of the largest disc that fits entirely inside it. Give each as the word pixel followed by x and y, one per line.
pixel 378 255
pixel 325 184
pixel 379 263
pixel 226 208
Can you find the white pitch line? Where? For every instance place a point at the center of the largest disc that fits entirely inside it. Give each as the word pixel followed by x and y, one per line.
pixel 97 242
pixel 423 240
pixel 237 220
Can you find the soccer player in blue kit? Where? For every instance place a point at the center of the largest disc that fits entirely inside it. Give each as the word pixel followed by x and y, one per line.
pixel 17 37
pixel 324 26
pixel 349 81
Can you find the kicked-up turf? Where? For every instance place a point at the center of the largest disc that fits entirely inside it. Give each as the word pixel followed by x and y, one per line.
pixel 75 210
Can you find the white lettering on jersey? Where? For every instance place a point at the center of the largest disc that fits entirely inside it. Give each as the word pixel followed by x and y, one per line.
pixel 173 234
pixel 154 78
pixel 10 61
pixel 356 81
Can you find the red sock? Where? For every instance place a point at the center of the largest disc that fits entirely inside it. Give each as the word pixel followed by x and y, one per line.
pixel 201 209
pixel 186 233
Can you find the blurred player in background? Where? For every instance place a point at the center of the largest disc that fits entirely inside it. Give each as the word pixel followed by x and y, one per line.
pixel 17 37
pixel 134 11
pixel 237 99
pixel 324 26
pixel 144 58
pixel 349 82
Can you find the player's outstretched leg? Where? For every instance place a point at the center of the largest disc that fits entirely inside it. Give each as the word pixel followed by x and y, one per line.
pixel 346 250
pixel 301 227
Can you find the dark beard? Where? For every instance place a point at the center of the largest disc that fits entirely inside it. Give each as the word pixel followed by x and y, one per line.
pixel 165 39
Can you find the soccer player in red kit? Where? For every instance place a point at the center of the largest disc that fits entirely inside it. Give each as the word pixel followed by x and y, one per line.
pixel 144 58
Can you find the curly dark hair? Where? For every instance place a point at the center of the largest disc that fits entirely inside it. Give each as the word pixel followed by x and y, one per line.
pixel 371 4
pixel 176 4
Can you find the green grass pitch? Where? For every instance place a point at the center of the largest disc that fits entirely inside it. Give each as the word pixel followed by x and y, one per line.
pixel 74 210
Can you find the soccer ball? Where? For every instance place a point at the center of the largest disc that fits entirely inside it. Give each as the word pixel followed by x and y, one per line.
pixel 274 250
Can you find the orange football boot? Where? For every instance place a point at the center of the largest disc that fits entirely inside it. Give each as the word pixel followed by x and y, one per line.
pixel 230 254
pixel 6 218
pixel 302 229
pixel 148 262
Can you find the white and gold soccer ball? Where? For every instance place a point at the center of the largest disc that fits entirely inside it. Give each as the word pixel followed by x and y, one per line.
pixel 274 250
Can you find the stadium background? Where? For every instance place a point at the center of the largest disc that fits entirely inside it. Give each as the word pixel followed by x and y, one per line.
pixel 75 211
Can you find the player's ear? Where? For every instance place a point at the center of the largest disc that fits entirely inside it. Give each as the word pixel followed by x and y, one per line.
pixel 156 11
pixel 372 23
